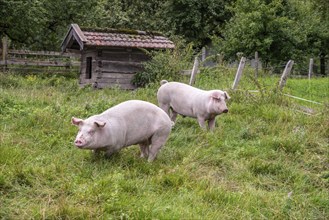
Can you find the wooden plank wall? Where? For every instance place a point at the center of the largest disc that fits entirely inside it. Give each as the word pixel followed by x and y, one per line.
pixel 115 67
pixel 83 80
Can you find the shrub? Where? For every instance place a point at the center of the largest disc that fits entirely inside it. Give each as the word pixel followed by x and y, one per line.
pixel 165 65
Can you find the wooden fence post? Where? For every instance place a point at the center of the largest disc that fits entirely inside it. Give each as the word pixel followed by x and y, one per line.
pixel 285 74
pixel 310 68
pixel 239 72
pixel 194 70
pixel 256 64
pixel 322 64
pixel 4 52
pixel 203 54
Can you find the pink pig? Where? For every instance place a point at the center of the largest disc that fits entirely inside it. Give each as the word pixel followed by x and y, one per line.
pixel 189 101
pixel 131 122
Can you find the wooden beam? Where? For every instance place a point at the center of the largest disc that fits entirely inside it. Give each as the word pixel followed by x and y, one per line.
pixel 26 62
pixel 310 68
pixel 43 53
pixel 194 71
pixel 256 64
pixel 76 34
pixel 239 72
pixel 4 52
pixel 285 74
pixel 77 30
pixel 203 54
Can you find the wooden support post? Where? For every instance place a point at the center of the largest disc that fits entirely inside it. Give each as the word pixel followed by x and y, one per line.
pixel 203 54
pixel 310 68
pixel 220 58
pixel 285 74
pixel 256 64
pixel 194 71
pixel 239 72
pixel 322 64
pixel 4 52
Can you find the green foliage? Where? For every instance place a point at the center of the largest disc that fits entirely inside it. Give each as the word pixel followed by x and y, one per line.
pixel 39 24
pixel 279 30
pixel 165 65
pixel 20 19
pixel 196 20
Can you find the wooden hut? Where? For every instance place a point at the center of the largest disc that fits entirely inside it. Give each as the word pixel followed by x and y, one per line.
pixel 111 57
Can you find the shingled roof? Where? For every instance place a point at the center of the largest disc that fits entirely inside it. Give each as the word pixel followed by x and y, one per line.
pixel 77 38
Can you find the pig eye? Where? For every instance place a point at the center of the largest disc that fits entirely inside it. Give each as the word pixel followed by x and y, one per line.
pixel 91 132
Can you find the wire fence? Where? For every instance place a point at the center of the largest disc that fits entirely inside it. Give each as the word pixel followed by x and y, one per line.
pixel 320 65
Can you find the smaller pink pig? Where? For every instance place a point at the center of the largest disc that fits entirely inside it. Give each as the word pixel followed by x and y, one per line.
pixel 128 123
pixel 189 101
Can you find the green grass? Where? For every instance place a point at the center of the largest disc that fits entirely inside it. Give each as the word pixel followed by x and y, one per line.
pixel 261 151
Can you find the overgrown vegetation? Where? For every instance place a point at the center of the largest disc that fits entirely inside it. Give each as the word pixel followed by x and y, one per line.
pixel 165 65
pixel 265 159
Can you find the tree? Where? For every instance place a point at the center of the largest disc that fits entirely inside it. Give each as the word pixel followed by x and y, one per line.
pixel 127 14
pixel 41 24
pixel 279 30
pixel 20 20
pixel 195 20
pixel 320 36
pixel 258 26
pixel 57 16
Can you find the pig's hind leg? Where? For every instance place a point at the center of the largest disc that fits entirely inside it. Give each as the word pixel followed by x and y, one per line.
pixel 165 108
pixel 144 147
pixel 173 115
pixel 201 122
pixel 158 139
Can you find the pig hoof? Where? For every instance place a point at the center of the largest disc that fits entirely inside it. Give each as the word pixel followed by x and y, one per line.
pixel 150 159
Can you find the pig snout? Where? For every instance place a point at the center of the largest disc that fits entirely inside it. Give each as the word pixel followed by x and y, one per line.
pixel 79 143
pixel 225 111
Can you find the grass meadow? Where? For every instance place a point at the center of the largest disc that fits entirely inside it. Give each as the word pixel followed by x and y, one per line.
pixel 266 159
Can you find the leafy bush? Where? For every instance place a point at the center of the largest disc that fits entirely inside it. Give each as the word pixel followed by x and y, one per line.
pixel 165 65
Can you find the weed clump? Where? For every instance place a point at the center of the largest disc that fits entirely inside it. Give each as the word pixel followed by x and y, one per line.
pixel 165 65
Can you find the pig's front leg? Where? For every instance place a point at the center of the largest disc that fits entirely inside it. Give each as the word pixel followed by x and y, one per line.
pixel 211 124
pixel 97 152
pixel 173 116
pixel 110 151
pixel 202 121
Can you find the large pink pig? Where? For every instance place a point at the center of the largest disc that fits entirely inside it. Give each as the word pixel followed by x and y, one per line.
pixel 131 122
pixel 192 102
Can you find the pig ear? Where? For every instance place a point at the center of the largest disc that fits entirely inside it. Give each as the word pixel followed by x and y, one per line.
pixel 100 124
pixel 76 121
pixel 227 97
pixel 215 95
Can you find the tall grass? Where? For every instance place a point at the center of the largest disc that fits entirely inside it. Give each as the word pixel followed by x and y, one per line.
pixel 265 160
